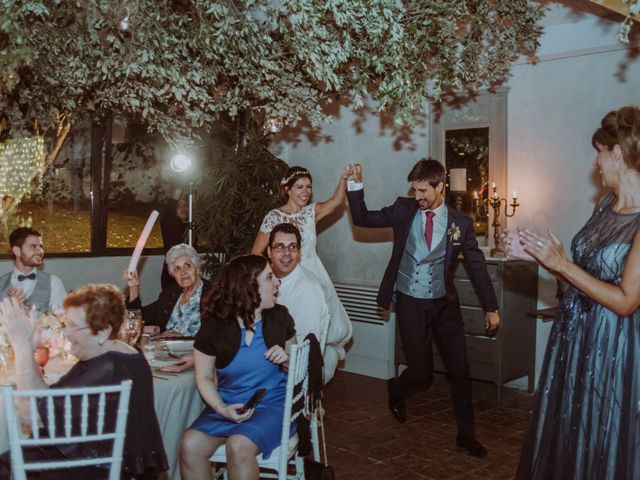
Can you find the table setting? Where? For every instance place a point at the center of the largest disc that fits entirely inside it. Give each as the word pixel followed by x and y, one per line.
pixel 176 398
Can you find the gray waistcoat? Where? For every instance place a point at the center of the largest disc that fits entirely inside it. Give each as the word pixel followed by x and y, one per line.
pixel 421 272
pixel 41 294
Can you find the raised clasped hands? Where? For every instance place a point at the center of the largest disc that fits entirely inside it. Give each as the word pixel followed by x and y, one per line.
pixel 547 250
pixel 21 327
pixel 356 172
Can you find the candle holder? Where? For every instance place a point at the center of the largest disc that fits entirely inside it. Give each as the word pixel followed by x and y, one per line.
pixel 457 200
pixel 496 202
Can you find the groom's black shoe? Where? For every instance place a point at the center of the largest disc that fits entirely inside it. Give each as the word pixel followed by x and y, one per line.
pixel 471 445
pixel 396 402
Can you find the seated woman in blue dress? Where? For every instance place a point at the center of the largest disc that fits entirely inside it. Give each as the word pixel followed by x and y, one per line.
pixel 242 346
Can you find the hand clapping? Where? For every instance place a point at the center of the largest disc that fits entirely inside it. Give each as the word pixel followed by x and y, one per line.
pixel 548 251
pixel 20 326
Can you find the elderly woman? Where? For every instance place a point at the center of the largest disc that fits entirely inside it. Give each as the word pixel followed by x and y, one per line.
pixel 177 309
pixel 93 315
pixel 241 347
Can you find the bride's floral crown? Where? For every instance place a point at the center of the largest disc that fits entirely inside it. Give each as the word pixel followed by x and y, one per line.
pixel 297 173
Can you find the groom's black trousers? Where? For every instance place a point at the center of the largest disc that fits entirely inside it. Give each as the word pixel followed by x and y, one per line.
pixel 420 321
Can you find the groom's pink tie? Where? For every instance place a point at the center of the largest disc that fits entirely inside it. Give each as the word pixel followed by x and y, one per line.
pixel 428 228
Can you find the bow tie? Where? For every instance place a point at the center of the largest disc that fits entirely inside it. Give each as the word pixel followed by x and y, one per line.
pixel 31 276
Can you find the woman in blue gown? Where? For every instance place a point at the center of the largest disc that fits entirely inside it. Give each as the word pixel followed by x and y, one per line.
pixel 241 347
pixel 585 422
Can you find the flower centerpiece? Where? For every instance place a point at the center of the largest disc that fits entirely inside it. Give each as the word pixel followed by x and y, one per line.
pixel 51 332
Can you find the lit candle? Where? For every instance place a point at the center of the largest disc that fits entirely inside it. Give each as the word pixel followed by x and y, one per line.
pixel 515 194
pixel 475 195
pixel 493 185
pixel 144 236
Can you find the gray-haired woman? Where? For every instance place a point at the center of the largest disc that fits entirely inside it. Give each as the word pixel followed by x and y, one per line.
pixel 177 310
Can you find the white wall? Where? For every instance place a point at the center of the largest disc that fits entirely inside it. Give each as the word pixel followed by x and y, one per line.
pixel 75 272
pixel 554 107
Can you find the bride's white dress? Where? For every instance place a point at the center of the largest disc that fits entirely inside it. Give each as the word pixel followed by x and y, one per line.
pixel 340 328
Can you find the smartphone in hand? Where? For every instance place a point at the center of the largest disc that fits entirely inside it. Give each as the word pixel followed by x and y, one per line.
pixel 253 401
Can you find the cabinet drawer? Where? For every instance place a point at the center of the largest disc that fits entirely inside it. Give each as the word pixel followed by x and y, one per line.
pixel 492 269
pixel 482 356
pixel 467 294
pixel 473 321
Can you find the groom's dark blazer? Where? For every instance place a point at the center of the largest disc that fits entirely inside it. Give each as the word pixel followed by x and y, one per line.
pixel 399 216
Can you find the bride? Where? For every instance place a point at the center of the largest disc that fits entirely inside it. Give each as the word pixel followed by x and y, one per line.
pixel 297 210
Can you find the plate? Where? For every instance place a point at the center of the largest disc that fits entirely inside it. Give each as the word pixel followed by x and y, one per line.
pixel 179 347
pixel 156 363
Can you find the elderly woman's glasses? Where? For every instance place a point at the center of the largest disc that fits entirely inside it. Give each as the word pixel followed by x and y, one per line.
pixel 281 247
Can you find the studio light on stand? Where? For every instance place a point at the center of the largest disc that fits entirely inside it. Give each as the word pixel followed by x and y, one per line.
pixel 179 164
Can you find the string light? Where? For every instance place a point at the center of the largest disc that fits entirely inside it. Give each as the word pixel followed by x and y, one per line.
pixel 20 161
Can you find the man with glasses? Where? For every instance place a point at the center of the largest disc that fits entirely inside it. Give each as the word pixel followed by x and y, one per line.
pixel 300 290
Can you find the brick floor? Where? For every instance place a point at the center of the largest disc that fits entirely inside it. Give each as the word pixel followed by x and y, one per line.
pixel 365 442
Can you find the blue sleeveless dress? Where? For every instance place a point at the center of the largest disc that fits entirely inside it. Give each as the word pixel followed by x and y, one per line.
pixel 585 422
pixel 237 382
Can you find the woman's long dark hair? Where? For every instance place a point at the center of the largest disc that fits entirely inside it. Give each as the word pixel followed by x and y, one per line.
pixel 236 293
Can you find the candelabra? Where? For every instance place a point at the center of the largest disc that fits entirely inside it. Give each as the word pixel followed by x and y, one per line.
pixel 496 202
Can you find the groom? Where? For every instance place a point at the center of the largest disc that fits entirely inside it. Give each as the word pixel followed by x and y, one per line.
pixel 428 237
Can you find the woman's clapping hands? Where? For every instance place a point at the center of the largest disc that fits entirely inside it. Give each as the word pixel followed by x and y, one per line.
pixel 546 249
pixel 20 325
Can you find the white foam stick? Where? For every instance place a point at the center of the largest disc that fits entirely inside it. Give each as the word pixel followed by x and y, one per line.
pixel 144 236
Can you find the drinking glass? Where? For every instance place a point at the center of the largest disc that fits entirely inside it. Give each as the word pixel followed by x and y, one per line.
pixel 131 327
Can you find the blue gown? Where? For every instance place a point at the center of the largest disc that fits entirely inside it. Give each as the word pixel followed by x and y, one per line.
pixel 237 382
pixel 585 422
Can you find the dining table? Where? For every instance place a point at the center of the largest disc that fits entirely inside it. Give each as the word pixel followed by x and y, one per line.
pixel 175 396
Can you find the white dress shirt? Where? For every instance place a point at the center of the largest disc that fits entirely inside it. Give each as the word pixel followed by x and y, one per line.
pixel 301 292
pixel 27 285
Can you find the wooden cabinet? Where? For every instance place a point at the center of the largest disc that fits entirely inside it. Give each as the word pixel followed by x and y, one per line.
pixel 511 353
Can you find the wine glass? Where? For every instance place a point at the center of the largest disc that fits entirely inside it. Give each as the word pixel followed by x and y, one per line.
pixel 132 326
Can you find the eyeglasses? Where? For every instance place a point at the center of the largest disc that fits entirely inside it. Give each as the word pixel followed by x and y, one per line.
pixel 281 247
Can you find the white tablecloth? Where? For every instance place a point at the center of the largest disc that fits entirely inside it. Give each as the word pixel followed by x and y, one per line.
pixel 177 403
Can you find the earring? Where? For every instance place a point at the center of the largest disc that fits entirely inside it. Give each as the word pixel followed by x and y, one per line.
pixel 101 342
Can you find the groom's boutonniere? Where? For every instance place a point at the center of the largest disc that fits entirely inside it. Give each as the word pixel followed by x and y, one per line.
pixel 454 233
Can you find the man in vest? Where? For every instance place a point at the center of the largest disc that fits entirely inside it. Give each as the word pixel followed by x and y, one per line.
pixel 428 237
pixel 31 286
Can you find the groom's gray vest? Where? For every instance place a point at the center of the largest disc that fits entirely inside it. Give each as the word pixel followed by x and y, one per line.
pixel 41 293
pixel 421 272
